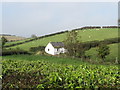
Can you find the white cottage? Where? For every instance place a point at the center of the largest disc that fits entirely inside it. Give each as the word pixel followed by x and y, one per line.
pixel 54 48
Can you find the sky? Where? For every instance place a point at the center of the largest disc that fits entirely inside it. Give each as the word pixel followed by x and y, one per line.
pixel 41 18
pixel 119 14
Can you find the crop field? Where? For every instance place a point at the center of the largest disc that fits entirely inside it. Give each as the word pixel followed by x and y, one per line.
pixel 15 38
pixel 43 74
pixel 84 35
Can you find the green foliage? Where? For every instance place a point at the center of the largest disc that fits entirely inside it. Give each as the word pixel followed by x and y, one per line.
pixel 51 59
pixel 42 74
pixel 72 37
pixel 33 36
pixel 103 51
pixel 114 55
pixel 73 45
pixel 39 48
pixel 18 51
pixel 3 40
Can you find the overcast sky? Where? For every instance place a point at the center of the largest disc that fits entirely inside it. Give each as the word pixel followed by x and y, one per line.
pixel 40 18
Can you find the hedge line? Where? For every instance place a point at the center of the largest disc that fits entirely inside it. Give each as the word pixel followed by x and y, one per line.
pixel 39 48
pixel 85 45
pixel 35 39
pixel 6 52
pixel 95 27
pixel 90 44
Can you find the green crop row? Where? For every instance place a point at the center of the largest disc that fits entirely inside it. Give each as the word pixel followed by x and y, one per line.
pixel 42 74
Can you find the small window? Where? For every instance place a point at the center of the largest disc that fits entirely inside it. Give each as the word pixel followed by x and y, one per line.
pixel 48 49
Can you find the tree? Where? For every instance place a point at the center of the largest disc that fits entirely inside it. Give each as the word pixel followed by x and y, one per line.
pixel 103 51
pixel 73 45
pixel 33 36
pixel 3 41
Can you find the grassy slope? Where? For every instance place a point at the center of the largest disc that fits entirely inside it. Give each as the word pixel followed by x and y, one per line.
pixel 14 42
pixel 50 59
pixel 112 56
pixel 93 33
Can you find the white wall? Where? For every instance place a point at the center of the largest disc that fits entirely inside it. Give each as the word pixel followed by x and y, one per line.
pixel 51 49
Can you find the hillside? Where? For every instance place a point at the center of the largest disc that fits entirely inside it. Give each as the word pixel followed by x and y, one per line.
pixel 43 71
pixel 85 35
pixel 111 57
pixel 12 37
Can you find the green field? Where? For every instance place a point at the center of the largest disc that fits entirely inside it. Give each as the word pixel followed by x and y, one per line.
pixel 92 52
pixel 41 71
pixel 86 35
pixel 9 43
pixel 51 59
pixel 111 57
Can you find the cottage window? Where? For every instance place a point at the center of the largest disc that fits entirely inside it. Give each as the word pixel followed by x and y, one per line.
pixel 48 49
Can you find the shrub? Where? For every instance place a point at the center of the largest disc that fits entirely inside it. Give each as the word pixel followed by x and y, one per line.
pixel 39 48
pixel 12 51
pixel 103 51
pixel 3 40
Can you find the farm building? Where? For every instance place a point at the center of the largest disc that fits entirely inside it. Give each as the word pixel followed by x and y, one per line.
pixel 55 48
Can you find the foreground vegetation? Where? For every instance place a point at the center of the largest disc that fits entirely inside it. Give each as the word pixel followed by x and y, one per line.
pixel 42 74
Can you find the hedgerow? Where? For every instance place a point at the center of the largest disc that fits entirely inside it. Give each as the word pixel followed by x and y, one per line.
pixel 5 52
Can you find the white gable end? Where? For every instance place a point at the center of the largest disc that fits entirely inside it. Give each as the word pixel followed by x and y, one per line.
pixel 49 49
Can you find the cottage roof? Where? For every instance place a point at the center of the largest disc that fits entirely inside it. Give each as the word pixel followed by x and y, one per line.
pixel 57 44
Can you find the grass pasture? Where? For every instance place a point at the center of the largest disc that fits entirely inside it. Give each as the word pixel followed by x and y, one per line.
pixel 14 42
pixel 51 59
pixel 86 35
pixel 112 56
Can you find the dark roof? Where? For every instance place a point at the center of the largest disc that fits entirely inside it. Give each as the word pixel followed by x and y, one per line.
pixel 57 44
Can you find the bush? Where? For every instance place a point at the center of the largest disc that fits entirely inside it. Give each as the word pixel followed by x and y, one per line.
pixel 12 51
pixel 90 44
pixel 39 48
pixel 103 51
